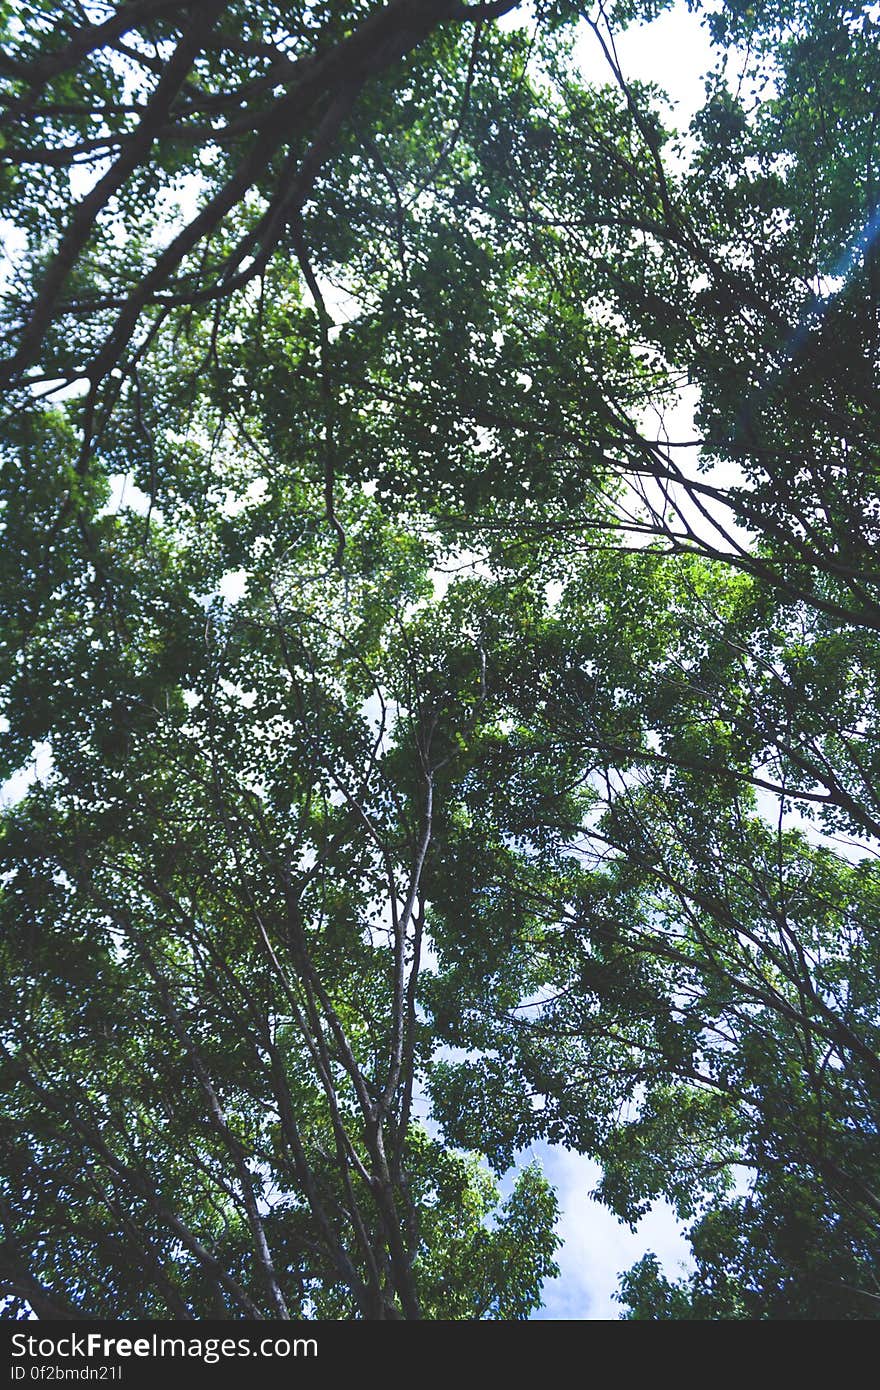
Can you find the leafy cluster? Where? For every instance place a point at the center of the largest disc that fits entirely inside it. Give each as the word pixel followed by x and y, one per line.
pixel 415 752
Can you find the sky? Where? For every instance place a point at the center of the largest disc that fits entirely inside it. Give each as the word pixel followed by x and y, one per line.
pixel 672 51
pixel 597 1248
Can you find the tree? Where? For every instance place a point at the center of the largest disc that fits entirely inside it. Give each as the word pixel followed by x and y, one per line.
pixel 309 856
pixel 212 956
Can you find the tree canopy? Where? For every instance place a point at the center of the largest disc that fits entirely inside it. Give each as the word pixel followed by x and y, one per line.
pixel 441 749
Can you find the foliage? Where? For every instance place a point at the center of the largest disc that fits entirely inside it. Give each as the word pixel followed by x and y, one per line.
pixel 419 724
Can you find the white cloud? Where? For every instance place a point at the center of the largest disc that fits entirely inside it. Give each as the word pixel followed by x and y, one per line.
pixel 36 770
pixel 232 585
pixel 673 51
pixel 597 1247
